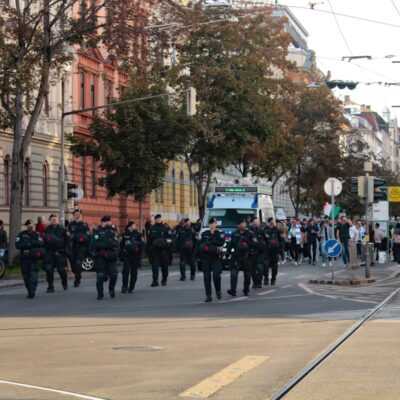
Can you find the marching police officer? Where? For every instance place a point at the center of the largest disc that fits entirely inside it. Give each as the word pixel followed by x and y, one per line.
pixel 104 246
pixel 185 243
pixel 158 246
pixel 258 253
pixel 241 245
pixel 131 248
pixel 275 243
pixel 79 239
pixel 56 244
pixel 210 243
pixel 30 244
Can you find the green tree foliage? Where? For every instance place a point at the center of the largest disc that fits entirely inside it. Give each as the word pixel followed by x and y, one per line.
pixel 136 143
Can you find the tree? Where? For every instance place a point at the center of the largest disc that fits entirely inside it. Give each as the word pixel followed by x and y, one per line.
pixel 36 39
pixel 237 67
pixel 136 143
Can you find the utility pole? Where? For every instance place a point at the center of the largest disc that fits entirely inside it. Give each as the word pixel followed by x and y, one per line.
pixel 367 169
pixel 62 155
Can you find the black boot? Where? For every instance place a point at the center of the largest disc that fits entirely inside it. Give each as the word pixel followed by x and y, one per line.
pixel 208 299
pixel 232 292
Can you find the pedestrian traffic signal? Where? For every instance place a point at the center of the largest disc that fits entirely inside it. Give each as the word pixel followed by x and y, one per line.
pixel 376 189
pixel 70 190
pixel 341 84
pixel 358 186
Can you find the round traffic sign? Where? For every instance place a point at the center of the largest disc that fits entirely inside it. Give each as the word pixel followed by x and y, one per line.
pixel 333 187
pixel 332 248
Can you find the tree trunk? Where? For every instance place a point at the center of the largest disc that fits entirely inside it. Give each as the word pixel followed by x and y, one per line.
pixel 140 215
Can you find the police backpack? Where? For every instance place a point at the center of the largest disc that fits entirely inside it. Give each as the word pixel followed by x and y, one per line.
pixel 160 244
pixel 53 241
pixel 81 239
pixel 37 253
pixel 274 243
pixel 187 246
pixel 133 248
pixel 243 245
pixel 207 250
pixel 23 242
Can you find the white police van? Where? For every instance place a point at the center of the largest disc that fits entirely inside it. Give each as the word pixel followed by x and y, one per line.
pixel 230 204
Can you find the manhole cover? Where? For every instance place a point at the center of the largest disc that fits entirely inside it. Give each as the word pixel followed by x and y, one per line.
pixel 139 348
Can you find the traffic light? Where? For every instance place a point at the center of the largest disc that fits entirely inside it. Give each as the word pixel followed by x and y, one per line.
pixel 341 84
pixel 70 190
pixel 376 189
pixel 358 186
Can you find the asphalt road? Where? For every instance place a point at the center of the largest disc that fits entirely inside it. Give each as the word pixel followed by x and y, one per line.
pixel 166 343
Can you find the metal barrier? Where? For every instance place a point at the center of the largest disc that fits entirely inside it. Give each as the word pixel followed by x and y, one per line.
pixel 354 261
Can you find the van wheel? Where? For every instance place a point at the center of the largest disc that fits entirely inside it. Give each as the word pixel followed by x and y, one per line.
pixel 88 264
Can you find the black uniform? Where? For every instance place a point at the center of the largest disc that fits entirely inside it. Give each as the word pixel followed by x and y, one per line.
pixel 158 247
pixel 56 244
pixel 210 263
pixel 185 241
pixel 241 245
pixel 104 247
pixel 79 241
pixel 30 244
pixel 258 256
pixel 275 243
pixel 3 239
pixel 131 248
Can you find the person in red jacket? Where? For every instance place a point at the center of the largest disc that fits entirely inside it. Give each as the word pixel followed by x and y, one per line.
pixel 40 226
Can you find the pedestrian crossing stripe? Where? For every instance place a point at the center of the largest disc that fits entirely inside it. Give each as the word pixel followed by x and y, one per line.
pixel 224 377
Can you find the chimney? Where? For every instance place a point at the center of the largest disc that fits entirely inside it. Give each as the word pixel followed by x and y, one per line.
pixel 347 98
pixel 369 108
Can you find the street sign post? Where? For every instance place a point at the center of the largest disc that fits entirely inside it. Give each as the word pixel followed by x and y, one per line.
pixel 333 187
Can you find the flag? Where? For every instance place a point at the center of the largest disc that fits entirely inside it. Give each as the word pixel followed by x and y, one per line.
pixel 328 210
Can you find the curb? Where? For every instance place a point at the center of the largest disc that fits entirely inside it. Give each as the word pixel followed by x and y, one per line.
pixel 346 282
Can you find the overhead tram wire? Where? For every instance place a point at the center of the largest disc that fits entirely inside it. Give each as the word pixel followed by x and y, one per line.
pixel 395 7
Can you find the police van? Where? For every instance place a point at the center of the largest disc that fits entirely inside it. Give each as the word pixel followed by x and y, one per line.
pixel 230 204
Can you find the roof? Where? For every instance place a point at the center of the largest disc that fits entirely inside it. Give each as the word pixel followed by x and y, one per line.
pixel 375 120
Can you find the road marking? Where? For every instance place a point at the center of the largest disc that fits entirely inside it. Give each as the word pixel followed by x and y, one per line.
pixel 224 377
pixel 287 286
pixel 267 292
pixel 308 290
pixel 45 389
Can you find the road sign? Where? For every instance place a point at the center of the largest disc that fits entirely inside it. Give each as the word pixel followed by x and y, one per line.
pixel 333 248
pixel 380 211
pixel 393 194
pixel 333 187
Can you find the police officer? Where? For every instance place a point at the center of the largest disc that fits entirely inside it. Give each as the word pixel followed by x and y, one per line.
pixel 131 248
pixel 56 244
pixel 210 242
pixel 104 248
pixel 240 245
pixel 158 247
pixel 79 239
pixel 30 244
pixel 258 253
pixel 275 244
pixel 185 242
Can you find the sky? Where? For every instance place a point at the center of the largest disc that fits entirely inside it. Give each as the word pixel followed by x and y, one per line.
pixel 360 38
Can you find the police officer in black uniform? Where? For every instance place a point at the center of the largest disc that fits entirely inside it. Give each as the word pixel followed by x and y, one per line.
pixel 258 253
pixel 240 245
pixel 56 245
pixel 185 241
pixel 131 248
pixel 30 244
pixel 79 239
pixel 104 248
pixel 158 247
pixel 274 248
pixel 210 243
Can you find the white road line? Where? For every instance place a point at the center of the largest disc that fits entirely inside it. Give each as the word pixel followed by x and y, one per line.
pixel 287 286
pixel 267 292
pixel 308 290
pixel 44 389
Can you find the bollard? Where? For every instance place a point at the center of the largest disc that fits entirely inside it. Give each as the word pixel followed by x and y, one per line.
pixel 367 261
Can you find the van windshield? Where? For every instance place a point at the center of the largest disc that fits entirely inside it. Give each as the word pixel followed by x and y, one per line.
pixel 230 217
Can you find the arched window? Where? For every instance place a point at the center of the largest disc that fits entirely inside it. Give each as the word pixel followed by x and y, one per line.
pixel 93 177
pixel 45 185
pixel 83 174
pixel 27 183
pixel 182 193
pixel 173 187
pixel 7 174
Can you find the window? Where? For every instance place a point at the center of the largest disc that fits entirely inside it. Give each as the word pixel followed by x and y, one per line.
pixel 45 186
pixel 83 174
pixel 82 89
pixel 7 173
pixel 93 177
pixel 162 193
pixel 27 199
pixel 191 200
pixel 182 193
pixel 92 93
pixel 108 90
pixel 156 195
pixel 173 187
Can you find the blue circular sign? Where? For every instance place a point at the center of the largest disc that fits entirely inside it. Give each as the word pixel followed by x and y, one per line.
pixel 332 248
